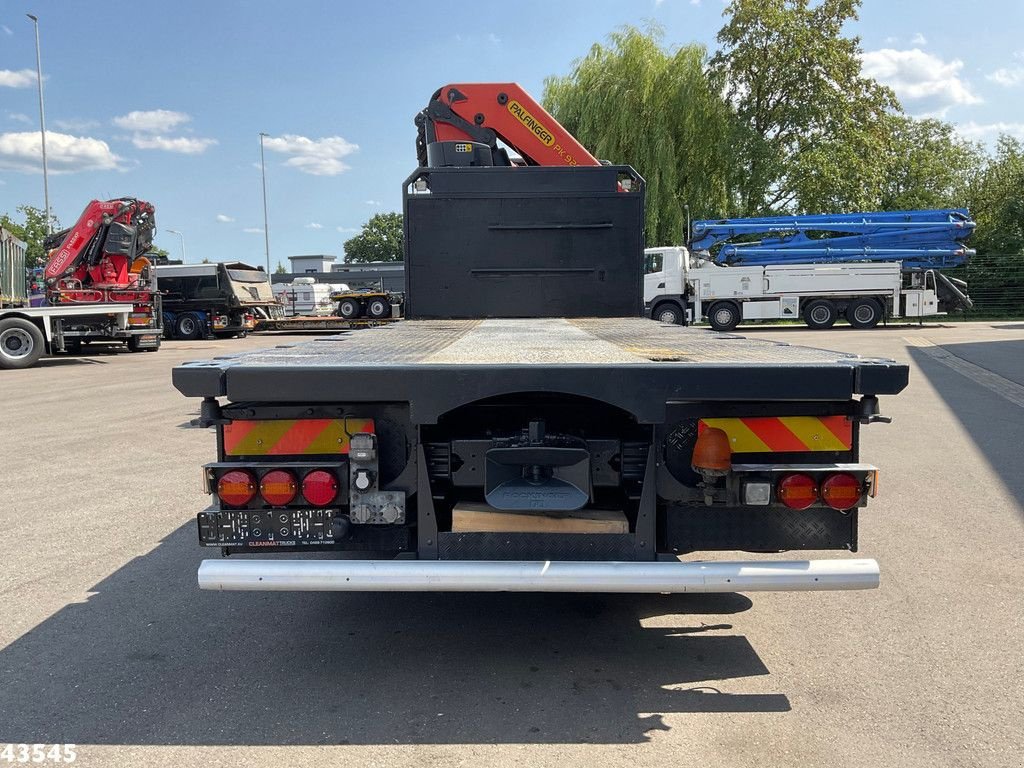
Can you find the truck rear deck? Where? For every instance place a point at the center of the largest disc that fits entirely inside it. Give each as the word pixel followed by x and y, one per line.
pixel 450 401
pixel 526 428
pixel 438 364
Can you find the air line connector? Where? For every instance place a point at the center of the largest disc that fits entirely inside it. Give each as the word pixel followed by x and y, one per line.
pixel 209 414
pixel 869 412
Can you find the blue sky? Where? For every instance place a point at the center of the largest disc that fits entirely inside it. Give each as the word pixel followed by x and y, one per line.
pixel 165 101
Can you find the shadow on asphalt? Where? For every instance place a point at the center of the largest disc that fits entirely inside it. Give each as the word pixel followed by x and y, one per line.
pixel 149 659
pixel 995 424
pixel 900 327
pixel 56 362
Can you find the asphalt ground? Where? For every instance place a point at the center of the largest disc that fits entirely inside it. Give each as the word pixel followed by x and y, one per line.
pixel 106 642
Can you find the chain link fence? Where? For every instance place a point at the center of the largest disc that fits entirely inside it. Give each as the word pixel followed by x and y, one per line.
pixel 995 283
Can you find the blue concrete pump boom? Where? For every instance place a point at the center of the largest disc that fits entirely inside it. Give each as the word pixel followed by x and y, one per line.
pixel 925 239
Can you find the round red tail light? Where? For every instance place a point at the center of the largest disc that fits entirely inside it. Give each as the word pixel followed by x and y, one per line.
pixel 841 491
pixel 278 487
pixel 320 487
pixel 237 487
pixel 797 491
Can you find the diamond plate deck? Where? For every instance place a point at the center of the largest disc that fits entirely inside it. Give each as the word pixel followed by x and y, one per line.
pixel 434 364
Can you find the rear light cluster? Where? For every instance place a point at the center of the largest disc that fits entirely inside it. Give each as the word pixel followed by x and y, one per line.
pixel 839 490
pixel 278 487
pixel 140 315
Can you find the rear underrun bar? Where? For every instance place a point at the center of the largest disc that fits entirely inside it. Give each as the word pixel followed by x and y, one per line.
pixel 486 576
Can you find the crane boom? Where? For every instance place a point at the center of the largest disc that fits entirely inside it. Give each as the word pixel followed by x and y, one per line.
pixel 464 122
pixel 919 239
pixel 98 253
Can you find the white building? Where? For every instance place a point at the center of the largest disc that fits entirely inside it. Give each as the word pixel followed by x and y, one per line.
pixel 311 264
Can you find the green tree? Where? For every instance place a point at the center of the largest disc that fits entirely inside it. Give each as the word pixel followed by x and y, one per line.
pixel 927 165
pixel 812 130
pixel 996 199
pixel 32 230
pixel 381 240
pixel 280 269
pixel 631 101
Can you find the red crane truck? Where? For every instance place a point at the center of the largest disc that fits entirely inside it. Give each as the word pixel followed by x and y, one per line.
pixel 100 287
pixel 526 428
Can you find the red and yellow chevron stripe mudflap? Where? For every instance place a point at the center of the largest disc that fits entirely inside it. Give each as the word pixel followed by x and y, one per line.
pixel 778 434
pixel 291 437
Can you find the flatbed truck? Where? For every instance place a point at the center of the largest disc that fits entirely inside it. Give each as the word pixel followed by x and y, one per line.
pixel 29 333
pixel 511 435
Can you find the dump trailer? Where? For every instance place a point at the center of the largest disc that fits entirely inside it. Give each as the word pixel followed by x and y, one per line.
pixel 215 300
pixel 511 435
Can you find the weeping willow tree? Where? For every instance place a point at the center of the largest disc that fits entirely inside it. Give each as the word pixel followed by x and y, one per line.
pixel 631 101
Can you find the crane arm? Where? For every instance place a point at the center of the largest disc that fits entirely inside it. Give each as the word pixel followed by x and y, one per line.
pixel 123 227
pixel 918 239
pixel 460 116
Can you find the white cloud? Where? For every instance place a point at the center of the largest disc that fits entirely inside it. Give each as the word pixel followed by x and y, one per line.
pixel 891 40
pixel 253 230
pixel 7 30
pixel 21 78
pixel 76 124
pixel 151 121
pixel 924 83
pixel 372 202
pixel 1007 76
pixel 18 117
pixel 988 131
pixel 183 144
pixel 64 153
pixel 694 2
pixel 223 218
pixel 318 157
pixel 493 38
pixel 314 225
pixel 348 229
pixel 918 39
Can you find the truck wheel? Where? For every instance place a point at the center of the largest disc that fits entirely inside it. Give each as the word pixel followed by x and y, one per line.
pixel 187 326
pixel 724 316
pixel 864 313
pixel 378 308
pixel 820 314
pixel 668 313
pixel 21 343
pixel 349 309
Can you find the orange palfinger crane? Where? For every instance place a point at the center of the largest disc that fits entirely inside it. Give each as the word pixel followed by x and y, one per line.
pixel 463 123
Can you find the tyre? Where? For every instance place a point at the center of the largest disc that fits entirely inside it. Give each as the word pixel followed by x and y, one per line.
pixel 864 313
pixel 349 309
pixel 21 343
pixel 668 313
pixel 378 308
pixel 820 314
pixel 187 326
pixel 724 316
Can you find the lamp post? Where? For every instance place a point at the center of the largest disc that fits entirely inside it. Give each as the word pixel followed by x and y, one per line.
pixel 42 124
pixel 184 259
pixel 266 220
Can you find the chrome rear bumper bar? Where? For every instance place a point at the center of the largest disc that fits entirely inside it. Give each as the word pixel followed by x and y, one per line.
pixel 499 576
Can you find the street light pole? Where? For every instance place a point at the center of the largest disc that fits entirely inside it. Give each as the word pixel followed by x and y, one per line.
pixel 184 258
pixel 42 124
pixel 266 219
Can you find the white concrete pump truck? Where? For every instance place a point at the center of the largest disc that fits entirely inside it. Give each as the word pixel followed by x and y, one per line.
pixel 863 267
